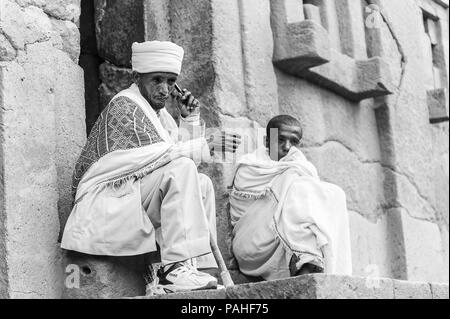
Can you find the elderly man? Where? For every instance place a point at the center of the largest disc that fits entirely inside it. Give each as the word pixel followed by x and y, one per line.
pixel 136 182
pixel 286 222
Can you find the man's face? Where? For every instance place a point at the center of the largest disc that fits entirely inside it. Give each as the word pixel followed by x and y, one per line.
pixel 280 141
pixel 156 87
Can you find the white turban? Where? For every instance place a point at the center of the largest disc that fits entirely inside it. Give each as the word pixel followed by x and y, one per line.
pixel 156 56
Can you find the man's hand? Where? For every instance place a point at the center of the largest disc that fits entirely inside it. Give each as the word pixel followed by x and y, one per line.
pixel 223 142
pixel 187 103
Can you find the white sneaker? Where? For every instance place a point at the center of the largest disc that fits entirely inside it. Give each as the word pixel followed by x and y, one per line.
pixel 184 277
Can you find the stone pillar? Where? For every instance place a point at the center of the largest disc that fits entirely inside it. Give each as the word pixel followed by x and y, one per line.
pixel 42 129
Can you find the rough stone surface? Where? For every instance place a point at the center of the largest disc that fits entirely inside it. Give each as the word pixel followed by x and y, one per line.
pixel 7 52
pixel 438 105
pixel 321 286
pixel 157 26
pixel 439 291
pixel 304 49
pixel 59 9
pixel 118 25
pixel 384 152
pixel 105 277
pixel 24 25
pixel 69 38
pixel 229 87
pixel 371 245
pixel 113 80
pixel 424 241
pixel 316 287
pixel 203 294
pixel 351 28
pixel 258 46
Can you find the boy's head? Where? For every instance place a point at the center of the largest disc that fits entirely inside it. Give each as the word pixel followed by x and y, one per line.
pixel 282 133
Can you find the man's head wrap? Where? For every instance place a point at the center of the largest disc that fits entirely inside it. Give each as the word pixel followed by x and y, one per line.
pixel 156 56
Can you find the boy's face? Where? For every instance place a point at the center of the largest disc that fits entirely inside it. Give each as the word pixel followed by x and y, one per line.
pixel 280 141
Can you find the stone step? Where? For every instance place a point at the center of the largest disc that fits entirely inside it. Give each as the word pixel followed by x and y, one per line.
pixel 321 286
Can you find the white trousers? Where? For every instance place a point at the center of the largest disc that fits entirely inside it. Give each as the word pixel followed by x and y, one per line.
pixel 180 203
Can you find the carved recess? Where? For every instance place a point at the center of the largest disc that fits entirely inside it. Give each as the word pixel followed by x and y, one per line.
pixel 436 70
pixel 303 47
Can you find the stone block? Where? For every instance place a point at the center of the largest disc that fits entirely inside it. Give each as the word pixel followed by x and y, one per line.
pixel 329 20
pixel 24 25
pixel 239 278
pixel 157 26
pixel 7 51
pixel 201 294
pixel 362 180
pixel 118 25
pixel 305 45
pixel 293 10
pixel 258 47
pixel 437 101
pixel 443 3
pixel 351 27
pixel 411 290
pixel 68 38
pixel 114 79
pixel 424 241
pixel 439 291
pixel 304 49
pixel 315 287
pixel 229 74
pixel 370 246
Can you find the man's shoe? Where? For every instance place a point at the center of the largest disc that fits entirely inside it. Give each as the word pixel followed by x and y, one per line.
pixel 184 277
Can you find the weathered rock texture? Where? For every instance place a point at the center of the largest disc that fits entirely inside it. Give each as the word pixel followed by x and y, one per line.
pixel 367 79
pixel 41 132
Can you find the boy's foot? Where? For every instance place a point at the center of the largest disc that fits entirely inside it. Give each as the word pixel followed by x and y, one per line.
pixel 302 264
pixel 182 276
